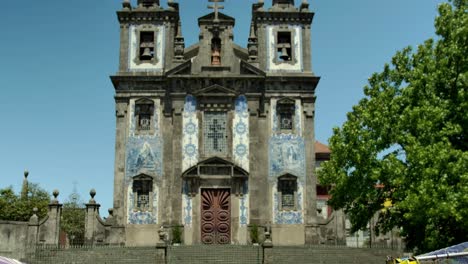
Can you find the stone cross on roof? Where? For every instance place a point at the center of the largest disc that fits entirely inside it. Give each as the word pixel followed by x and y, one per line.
pixel 216 7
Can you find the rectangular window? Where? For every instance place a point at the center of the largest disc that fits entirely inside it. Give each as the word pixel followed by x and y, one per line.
pixel 283 46
pixel 146 45
pixel 142 188
pixel 285 110
pixel 286 121
pixel 144 110
pixel 215 133
pixel 287 187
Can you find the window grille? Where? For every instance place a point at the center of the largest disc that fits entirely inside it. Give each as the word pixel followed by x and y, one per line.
pixel 285 112
pixel 215 132
pixel 142 188
pixel 287 187
pixel 144 113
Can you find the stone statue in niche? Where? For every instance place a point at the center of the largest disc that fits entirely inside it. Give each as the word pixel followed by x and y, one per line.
pixel 216 52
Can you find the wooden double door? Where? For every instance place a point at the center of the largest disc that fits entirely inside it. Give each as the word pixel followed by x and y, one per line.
pixel 215 216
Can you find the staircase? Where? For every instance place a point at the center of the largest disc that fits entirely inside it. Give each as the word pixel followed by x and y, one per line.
pixel 225 254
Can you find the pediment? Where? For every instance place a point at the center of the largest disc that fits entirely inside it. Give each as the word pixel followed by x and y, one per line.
pixel 211 16
pixel 215 90
pixel 249 69
pixel 215 166
pixel 181 69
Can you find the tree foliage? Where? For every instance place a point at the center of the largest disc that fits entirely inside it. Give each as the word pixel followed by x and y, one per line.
pixel 17 207
pixel 408 137
pixel 73 219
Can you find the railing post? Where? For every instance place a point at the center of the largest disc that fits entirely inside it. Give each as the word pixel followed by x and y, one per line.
pixel 161 247
pixel 267 247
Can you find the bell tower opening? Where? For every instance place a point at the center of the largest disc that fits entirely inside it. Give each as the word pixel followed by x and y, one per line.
pixel 216 51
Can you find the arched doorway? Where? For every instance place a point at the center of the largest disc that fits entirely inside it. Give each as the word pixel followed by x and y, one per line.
pixel 218 184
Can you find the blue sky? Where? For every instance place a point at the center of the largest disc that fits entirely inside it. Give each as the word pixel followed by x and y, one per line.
pixel 56 103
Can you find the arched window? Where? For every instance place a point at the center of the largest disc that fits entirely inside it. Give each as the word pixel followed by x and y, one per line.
pixel 144 111
pixel 285 109
pixel 142 191
pixel 287 190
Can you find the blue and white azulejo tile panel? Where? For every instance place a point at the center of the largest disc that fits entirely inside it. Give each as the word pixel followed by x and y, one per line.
pixel 290 217
pixel 190 133
pixel 240 133
pixel 286 155
pixel 244 206
pixel 144 155
pixel 186 205
pixel 138 217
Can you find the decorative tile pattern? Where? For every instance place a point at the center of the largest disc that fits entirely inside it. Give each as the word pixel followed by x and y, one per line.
pixel 240 133
pixel 288 217
pixel 296 45
pixel 133 49
pixel 144 155
pixel 137 217
pixel 186 205
pixel 298 118
pixel 244 206
pixel 287 155
pixel 274 115
pixel 190 134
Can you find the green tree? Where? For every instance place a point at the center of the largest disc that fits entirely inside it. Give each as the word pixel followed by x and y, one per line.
pixel 73 219
pixel 408 137
pixel 17 207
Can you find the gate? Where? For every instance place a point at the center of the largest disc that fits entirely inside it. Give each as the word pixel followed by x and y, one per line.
pixel 215 216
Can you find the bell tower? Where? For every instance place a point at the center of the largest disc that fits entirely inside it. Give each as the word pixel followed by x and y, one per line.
pixel 150 37
pixel 151 42
pixel 282 36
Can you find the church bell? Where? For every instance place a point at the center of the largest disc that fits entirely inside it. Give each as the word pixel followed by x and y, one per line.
pixel 146 54
pixel 284 54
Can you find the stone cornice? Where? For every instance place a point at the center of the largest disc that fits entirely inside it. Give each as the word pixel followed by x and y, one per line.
pixel 283 17
pixel 127 16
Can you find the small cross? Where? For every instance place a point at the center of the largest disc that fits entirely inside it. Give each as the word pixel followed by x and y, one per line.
pixel 216 7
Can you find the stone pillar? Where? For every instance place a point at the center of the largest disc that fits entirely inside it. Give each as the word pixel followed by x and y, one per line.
pixel 119 164
pixel 92 212
pixel 51 227
pixel 311 228
pixel 33 234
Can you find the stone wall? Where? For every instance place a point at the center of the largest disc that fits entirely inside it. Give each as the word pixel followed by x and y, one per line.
pixel 17 239
pixel 13 238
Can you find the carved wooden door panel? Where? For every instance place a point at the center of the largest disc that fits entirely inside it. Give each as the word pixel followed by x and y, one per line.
pixel 215 216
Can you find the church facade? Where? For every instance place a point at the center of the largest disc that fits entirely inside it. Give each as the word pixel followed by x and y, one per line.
pixel 215 139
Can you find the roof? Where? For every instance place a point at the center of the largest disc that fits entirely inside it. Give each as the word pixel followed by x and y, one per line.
pixel 321 148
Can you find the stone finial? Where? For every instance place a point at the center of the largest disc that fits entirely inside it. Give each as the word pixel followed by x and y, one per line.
pixel 304 5
pixel 34 219
pixel 55 193
pixel 252 31
pixel 179 29
pixel 126 5
pixel 92 193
